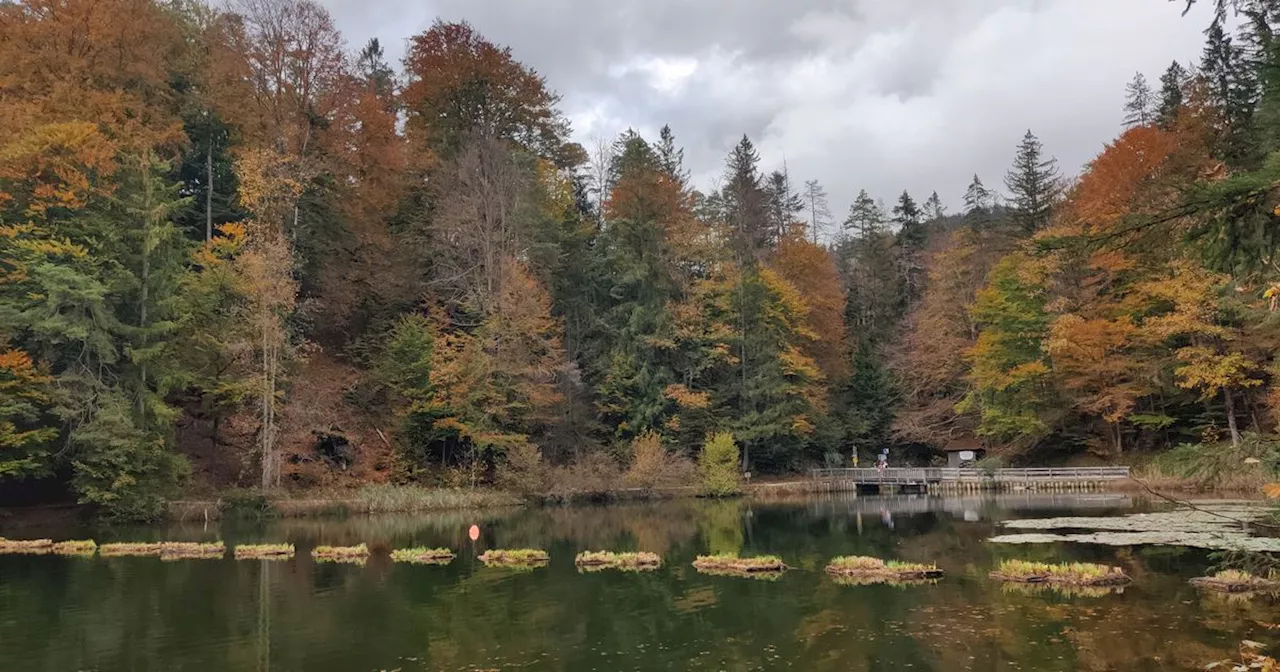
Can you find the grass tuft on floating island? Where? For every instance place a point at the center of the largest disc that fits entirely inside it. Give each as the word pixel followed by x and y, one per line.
pixel 144 549
pixel 517 557
pixel 26 546
pixel 768 567
pixel 356 555
pixel 1073 574
pixel 185 550
pixel 423 556
pixel 85 547
pixel 1236 581
pixel 263 552
pixel 861 570
pixel 593 561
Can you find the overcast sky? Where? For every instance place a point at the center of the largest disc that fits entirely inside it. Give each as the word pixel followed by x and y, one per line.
pixel 884 95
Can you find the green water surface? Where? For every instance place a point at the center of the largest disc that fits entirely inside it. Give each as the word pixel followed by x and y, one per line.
pixel 143 614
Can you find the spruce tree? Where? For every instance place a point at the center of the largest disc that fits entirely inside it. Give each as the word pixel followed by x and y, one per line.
pixel 910 221
pixel 1171 96
pixel 866 217
pixel 1232 91
pixel 910 243
pixel 745 202
pixel 978 203
pixel 1034 185
pixel 373 69
pixel 1140 103
pixel 934 210
pixel 671 157
pixel 784 205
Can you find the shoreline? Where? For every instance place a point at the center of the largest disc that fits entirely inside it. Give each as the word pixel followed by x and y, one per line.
pixel 415 499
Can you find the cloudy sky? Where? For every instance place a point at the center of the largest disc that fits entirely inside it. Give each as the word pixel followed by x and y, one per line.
pixel 884 95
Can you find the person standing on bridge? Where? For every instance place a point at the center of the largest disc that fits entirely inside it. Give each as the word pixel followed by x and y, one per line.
pixel 855 458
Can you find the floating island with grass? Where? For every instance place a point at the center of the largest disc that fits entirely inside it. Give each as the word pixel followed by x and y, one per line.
pixel 26 546
pixel 1235 581
pixel 420 555
pixel 185 550
pixel 263 552
pixel 861 570
pixel 80 547
pixel 527 558
pixel 134 549
pixel 590 561
pixel 768 567
pixel 1071 574
pixel 355 555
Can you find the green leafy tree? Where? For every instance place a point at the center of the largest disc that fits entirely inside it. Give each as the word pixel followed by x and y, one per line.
pixel 1009 364
pixel 718 466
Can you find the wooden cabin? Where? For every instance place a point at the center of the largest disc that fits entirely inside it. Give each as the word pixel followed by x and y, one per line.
pixel 964 451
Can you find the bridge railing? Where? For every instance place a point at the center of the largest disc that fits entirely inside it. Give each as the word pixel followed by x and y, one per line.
pixel 961 474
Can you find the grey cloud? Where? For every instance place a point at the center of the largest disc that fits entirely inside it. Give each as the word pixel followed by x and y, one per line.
pixel 878 94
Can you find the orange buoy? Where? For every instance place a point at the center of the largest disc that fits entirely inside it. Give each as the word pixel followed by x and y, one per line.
pixel 474 532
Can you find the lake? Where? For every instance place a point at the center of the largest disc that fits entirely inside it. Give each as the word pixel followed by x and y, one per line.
pixel 137 614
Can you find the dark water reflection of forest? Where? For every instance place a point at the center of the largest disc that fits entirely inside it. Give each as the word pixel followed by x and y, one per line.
pixel 144 614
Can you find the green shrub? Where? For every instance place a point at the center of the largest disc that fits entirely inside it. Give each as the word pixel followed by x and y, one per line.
pixel 718 466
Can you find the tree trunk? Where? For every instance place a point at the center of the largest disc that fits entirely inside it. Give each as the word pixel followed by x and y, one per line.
pixel 1231 416
pixel 208 189
pixel 1119 439
pixel 146 279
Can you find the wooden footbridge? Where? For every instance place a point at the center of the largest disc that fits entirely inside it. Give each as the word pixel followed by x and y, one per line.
pixel 952 478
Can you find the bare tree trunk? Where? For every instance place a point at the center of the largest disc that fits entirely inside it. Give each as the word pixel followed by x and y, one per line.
pixel 208 189
pixel 146 277
pixel 267 402
pixel 1231 416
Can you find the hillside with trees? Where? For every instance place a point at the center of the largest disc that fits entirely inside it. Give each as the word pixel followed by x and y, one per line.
pixel 236 252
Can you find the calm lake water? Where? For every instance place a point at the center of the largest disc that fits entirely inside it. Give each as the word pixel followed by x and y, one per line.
pixel 143 614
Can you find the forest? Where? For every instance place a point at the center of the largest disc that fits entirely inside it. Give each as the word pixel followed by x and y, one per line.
pixel 235 252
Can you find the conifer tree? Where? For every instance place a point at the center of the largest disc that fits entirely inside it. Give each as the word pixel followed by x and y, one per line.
pixel 1034 186
pixel 671 157
pixel 1139 103
pixel 978 203
pixel 910 243
pixel 1172 83
pixel 784 205
pixel 934 210
pixel 1232 92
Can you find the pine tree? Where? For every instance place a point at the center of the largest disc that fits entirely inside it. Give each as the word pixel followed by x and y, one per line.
pixel 1139 104
pixel 1034 186
pixel 868 398
pixel 1232 91
pixel 784 205
pixel 866 217
pixel 671 157
pixel 910 243
pixel 372 67
pixel 934 210
pixel 979 206
pixel 1172 83
pixel 746 202
pixel 815 201
pixel 910 221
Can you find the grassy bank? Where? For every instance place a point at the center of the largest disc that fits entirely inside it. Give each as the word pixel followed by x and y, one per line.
pixel 366 500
